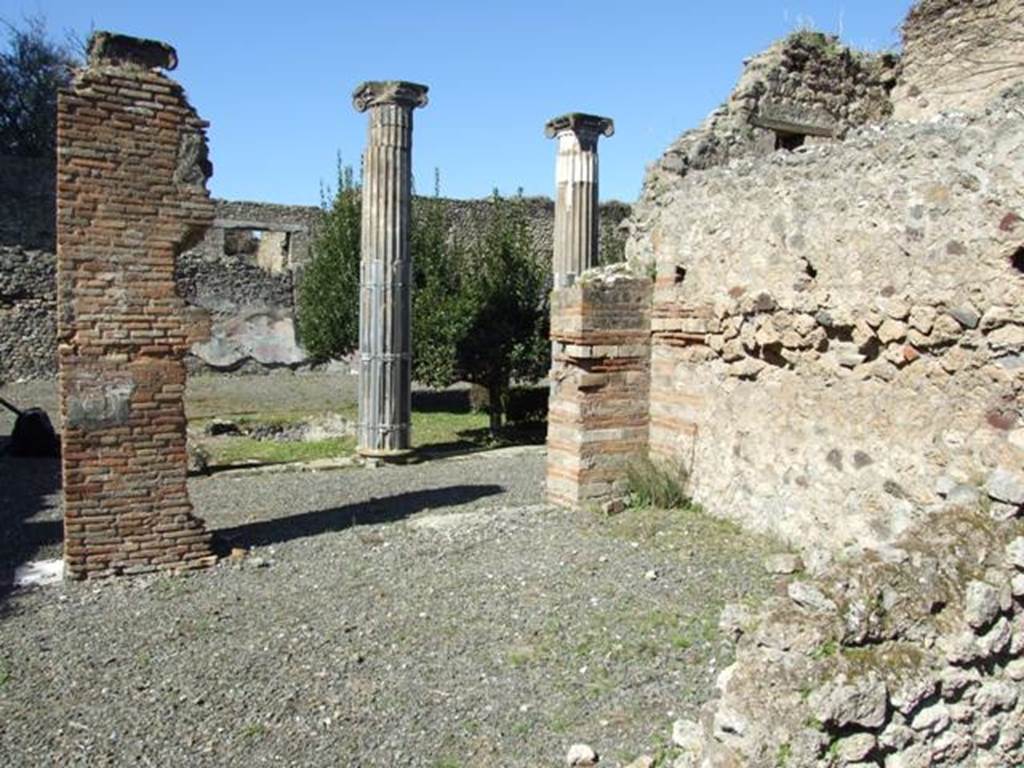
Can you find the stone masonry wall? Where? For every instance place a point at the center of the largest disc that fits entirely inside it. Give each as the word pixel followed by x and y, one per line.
pixel 28 316
pixel 597 419
pixel 958 54
pixel 131 195
pixel 912 659
pixel 839 332
pixel 804 90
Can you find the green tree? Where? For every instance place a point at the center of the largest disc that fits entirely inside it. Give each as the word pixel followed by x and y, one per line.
pixel 441 314
pixel 329 288
pixel 32 69
pixel 505 293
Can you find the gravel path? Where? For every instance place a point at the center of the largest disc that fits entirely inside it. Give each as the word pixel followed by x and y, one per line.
pixel 427 615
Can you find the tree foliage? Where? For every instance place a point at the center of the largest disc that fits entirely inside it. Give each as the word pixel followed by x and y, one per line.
pixel 442 314
pixel 329 287
pixel 479 308
pixel 32 69
pixel 505 289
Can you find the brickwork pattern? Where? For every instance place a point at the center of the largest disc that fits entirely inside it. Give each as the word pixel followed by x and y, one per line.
pixel 131 194
pixel 600 376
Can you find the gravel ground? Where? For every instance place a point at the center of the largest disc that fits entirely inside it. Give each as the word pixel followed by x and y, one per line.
pixel 434 614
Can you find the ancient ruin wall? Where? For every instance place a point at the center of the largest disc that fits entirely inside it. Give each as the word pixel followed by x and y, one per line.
pixel 804 90
pixel 245 272
pixel 131 195
pixel 838 334
pixel 958 55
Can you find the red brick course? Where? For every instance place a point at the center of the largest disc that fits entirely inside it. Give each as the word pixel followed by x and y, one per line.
pixel 600 378
pixel 131 172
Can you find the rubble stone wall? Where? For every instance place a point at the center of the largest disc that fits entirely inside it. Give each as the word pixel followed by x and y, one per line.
pixel 807 89
pixel 131 193
pixel 958 55
pixel 28 317
pixel 838 334
pixel 911 659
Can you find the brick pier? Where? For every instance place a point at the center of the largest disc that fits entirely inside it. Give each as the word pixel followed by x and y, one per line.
pixel 131 195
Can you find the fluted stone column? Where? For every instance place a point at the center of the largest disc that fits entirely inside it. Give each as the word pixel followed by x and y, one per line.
pixel 576 202
pixel 385 280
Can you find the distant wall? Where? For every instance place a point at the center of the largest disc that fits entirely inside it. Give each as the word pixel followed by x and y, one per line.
pixel 245 272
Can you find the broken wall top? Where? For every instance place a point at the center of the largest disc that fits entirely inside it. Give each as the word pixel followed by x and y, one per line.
pixel 958 55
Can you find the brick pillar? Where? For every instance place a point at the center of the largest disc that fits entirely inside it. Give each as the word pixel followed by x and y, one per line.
pixel 131 195
pixel 600 378
pixel 576 193
pixel 385 280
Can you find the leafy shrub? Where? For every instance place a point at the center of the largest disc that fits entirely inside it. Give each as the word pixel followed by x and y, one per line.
pixel 329 288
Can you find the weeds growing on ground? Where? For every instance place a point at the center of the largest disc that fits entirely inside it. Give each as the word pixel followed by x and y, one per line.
pixel 661 484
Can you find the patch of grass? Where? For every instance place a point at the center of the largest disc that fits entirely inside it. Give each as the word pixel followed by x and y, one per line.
pixel 254 731
pixel 654 483
pixel 237 450
pixel 783 755
pixel 679 529
pixel 431 430
pixel 561 722
pixel 825 650
pixel 5 673
pixel 665 756
pixel 521 655
pixel 447 427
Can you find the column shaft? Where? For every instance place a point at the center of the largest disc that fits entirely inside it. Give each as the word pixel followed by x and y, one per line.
pixel 576 194
pixel 385 298
pixel 576 210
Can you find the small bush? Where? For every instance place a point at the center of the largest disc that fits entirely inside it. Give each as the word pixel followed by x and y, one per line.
pixel 660 484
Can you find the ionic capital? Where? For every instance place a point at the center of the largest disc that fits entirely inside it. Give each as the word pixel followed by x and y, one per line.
pixel 376 93
pixel 586 127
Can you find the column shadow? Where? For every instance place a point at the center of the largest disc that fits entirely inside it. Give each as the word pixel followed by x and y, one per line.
pixel 372 512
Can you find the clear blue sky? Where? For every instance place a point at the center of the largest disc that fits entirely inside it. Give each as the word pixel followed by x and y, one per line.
pixel 275 78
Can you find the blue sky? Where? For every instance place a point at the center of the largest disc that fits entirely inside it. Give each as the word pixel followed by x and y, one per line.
pixel 275 78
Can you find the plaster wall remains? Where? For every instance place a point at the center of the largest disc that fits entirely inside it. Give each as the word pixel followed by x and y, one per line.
pixel 245 273
pixel 131 194
pixel 958 55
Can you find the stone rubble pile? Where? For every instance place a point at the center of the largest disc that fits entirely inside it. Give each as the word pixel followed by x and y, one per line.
pixel 908 657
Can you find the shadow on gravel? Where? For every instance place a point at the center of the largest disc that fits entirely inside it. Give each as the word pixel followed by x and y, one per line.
pixel 26 489
pixel 370 512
